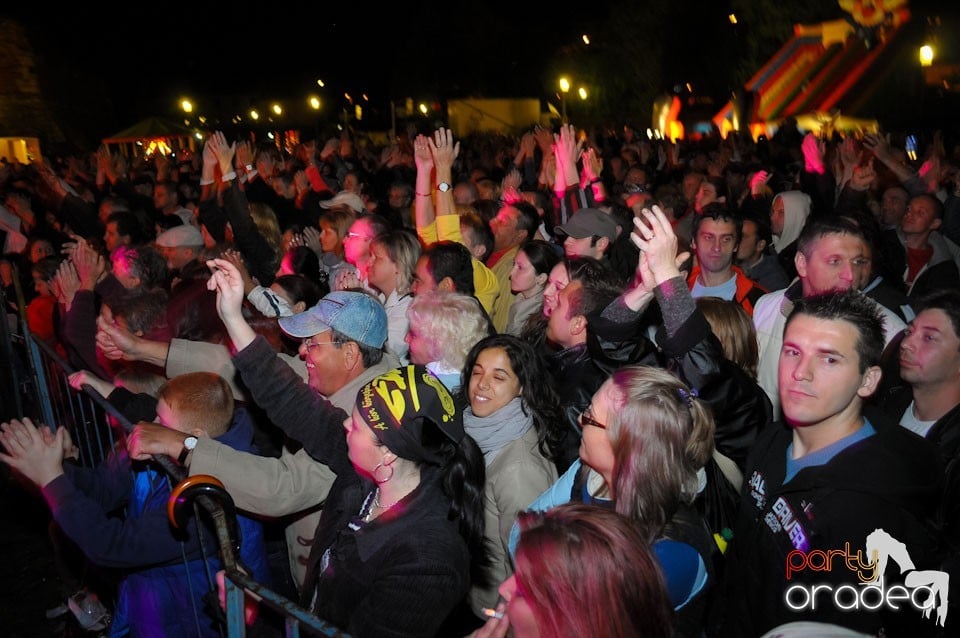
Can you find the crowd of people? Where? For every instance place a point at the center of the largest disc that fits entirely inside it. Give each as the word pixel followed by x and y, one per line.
pixel 564 383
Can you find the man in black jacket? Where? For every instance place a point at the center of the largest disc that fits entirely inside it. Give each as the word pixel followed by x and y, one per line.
pixel 821 489
pixel 928 403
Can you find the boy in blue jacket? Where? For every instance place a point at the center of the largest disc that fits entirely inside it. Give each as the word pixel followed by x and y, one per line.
pixel 166 572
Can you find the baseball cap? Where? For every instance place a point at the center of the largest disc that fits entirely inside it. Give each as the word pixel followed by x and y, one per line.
pixel 588 222
pixel 356 315
pixel 183 235
pixel 397 405
pixel 354 201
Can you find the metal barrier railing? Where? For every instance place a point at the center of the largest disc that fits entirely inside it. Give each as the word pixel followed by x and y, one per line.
pixel 87 415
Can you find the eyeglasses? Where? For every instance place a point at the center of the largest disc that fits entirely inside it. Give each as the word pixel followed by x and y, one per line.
pixel 310 343
pixel 357 236
pixel 586 419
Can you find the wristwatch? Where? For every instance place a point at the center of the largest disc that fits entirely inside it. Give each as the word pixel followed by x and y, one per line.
pixel 188 444
pixel 443 187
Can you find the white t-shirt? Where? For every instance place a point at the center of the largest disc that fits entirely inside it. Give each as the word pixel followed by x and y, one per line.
pixel 727 290
pixel 910 421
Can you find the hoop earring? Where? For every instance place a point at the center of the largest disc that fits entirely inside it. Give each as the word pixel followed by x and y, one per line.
pixel 380 481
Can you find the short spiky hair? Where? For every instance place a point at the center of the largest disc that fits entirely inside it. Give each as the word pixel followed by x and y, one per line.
pixel 817 227
pixel 854 308
pixel 529 219
pixel 451 259
pixel 201 400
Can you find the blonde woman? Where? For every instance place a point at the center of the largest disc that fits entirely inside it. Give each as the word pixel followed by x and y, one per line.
pixel 393 256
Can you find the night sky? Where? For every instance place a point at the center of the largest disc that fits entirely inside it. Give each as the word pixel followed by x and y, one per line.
pixel 148 54
pixel 121 65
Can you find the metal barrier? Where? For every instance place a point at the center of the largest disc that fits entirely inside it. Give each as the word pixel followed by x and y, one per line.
pixel 38 378
pixel 42 392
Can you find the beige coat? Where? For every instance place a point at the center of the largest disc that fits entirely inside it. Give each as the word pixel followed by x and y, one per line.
pixel 517 476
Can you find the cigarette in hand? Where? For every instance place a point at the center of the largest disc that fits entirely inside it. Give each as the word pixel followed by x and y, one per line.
pixel 492 613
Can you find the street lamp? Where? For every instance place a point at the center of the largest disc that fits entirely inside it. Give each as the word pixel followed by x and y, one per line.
pixel 564 89
pixel 926 60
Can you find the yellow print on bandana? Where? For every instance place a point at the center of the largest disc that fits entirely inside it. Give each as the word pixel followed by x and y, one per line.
pixel 446 401
pixel 370 413
pixel 391 386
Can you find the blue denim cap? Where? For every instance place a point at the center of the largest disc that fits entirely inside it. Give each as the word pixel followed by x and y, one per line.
pixel 356 315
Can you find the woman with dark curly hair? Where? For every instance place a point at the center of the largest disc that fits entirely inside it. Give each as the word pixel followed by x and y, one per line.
pixel 511 412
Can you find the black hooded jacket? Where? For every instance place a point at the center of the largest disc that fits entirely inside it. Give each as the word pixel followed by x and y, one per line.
pixel 890 481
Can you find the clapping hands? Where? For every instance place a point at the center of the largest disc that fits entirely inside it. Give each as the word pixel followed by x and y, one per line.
pixel 657 241
pixel 37 453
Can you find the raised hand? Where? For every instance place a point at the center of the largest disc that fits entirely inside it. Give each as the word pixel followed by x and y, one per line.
pixel 235 258
pixel 813 153
pixel 930 173
pixel 244 155
pixel 510 186
pixel 592 164
pixel 329 148
pixel 548 171
pixel 227 281
pixel 89 263
pixel 209 157
pixel 863 176
pixel 38 456
pixel 66 283
pixel 445 150
pixel 223 151
pixel 544 140
pixel 422 153
pixel 311 238
pixel 528 144
pixel 105 166
pixel 758 183
pixel 567 148
pixel 394 156
pixel 347 279
pixel 296 239
pixel 849 153
pixel 657 242
pixel 879 144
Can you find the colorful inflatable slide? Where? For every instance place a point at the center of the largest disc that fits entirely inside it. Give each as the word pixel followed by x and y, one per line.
pixel 818 66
